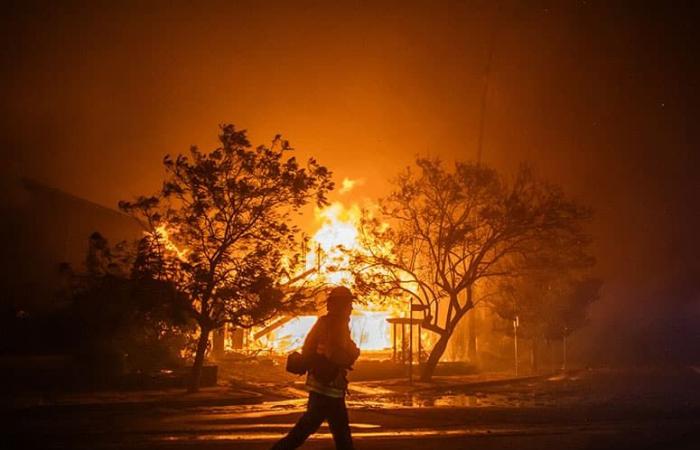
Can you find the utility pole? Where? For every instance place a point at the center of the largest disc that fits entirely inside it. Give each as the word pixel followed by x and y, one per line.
pixel 564 351
pixel 516 324
pixel 410 346
pixel 485 92
pixel 472 345
pixel 484 96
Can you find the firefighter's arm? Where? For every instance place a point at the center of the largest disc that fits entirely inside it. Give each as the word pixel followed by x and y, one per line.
pixel 346 353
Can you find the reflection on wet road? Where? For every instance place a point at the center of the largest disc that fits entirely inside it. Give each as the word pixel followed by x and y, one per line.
pixel 270 420
pixel 603 406
pixel 324 435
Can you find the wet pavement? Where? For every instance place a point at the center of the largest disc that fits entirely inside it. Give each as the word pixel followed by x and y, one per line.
pixel 589 409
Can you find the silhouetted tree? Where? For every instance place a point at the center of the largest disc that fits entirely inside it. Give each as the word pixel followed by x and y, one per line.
pixel 118 319
pixel 441 232
pixel 220 231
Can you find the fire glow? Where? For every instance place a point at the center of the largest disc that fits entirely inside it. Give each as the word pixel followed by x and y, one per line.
pixel 328 263
pixel 369 330
pixel 326 255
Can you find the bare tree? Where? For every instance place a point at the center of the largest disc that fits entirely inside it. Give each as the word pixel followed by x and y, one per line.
pixel 441 232
pixel 220 231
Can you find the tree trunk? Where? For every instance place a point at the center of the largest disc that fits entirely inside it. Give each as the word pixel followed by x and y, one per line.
pixel 199 359
pixel 434 358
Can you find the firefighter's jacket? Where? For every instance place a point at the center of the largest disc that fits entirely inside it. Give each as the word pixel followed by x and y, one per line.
pixel 331 352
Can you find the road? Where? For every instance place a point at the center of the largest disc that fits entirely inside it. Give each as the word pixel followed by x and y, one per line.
pixel 591 409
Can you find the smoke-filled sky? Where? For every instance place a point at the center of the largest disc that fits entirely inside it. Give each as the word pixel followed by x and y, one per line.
pixel 602 97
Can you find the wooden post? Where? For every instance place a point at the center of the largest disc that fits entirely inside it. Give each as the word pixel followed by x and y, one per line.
pixel 403 344
pixel 410 349
pixel 419 344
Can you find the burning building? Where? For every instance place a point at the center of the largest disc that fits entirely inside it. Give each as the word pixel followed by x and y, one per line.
pixel 326 262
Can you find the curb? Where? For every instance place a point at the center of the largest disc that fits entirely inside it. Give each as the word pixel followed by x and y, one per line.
pixel 477 384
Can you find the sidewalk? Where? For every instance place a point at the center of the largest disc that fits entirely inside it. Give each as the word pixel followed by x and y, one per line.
pixel 219 395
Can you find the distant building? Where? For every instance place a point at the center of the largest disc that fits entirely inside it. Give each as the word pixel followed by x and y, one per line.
pixel 42 227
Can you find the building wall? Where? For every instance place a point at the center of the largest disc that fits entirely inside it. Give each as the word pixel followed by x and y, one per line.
pixel 43 227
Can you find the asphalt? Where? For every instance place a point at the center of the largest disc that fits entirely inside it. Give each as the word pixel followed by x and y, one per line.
pixel 589 409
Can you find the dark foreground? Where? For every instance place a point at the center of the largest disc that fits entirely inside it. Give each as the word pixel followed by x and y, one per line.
pixel 602 409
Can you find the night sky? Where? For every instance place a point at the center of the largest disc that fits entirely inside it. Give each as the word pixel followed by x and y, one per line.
pixel 602 97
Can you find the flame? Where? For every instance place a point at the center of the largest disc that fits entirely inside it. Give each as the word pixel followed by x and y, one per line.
pixel 337 233
pixel 369 330
pixel 163 236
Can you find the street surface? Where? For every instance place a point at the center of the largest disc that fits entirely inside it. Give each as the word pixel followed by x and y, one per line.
pixel 588 409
